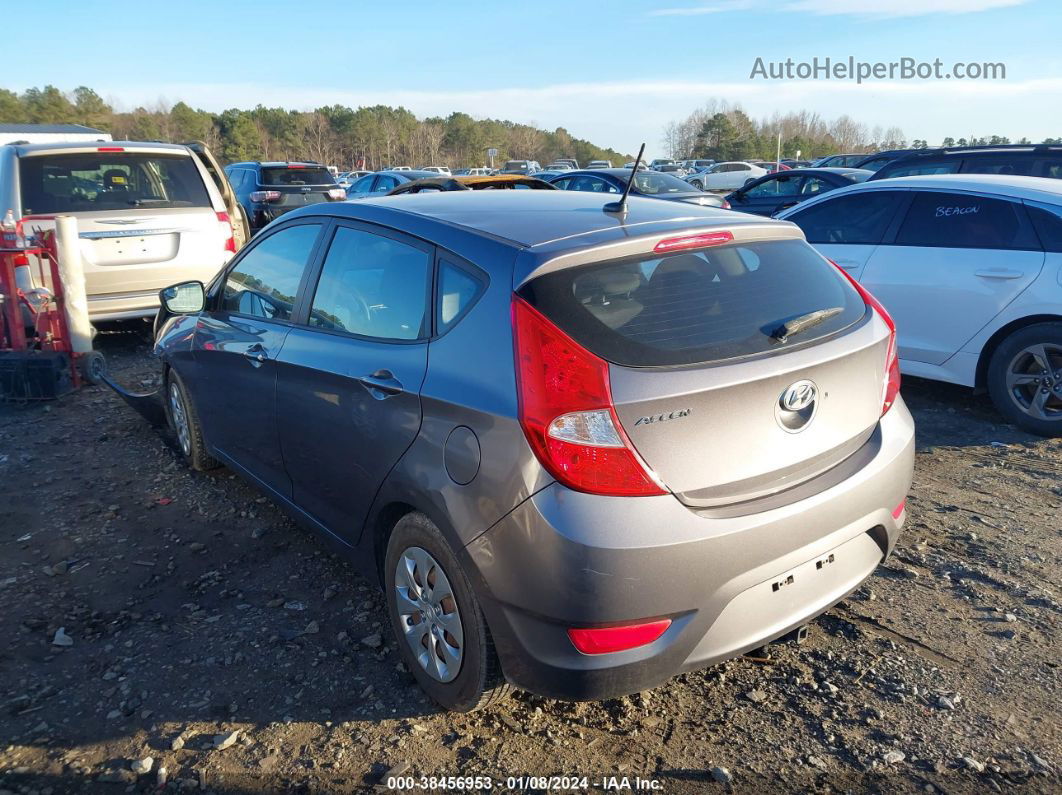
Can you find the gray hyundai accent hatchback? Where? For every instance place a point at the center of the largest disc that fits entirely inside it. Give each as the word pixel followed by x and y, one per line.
pixel 582 451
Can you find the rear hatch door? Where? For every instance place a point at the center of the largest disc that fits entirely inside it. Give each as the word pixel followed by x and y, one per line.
pixel 298 184
pixel 719 401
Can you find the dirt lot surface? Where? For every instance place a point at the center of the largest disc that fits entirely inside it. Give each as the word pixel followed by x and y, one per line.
pixel 151 612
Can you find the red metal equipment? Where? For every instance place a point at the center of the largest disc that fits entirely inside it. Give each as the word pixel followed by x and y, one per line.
pixel 36 357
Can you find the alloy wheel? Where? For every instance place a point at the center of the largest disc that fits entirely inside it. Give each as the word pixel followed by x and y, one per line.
pixel 1034 381
pixel 180 419
pixel 428 614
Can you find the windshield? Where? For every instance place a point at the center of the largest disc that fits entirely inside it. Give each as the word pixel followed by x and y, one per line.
pixel 109 181
pixel 516 165
pixel 297 175
pixel 653 183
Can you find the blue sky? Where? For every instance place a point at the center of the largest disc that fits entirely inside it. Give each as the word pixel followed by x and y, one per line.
pixel 611 71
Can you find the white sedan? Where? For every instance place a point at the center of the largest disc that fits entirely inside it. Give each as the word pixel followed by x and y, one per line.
pixel 726 176
pixel 970 268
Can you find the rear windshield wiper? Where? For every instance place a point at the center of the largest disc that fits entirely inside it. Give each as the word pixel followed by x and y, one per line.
pixel 803 322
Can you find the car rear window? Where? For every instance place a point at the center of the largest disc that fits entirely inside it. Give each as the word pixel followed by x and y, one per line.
pixel 286 175
pixel 696 307
pixel 92 181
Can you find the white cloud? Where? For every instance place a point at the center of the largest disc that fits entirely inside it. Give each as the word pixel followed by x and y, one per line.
pixel 879 9
pixel 704 8
pixel 623 114
pixel 898 8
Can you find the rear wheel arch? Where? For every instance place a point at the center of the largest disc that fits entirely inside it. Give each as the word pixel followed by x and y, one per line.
pixel 383 524
pixel 997 338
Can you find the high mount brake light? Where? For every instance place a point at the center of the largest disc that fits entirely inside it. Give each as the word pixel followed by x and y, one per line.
pixel 110 148
pixel 693 241
pixel 605 640
pixel 891 388
pixel 567 414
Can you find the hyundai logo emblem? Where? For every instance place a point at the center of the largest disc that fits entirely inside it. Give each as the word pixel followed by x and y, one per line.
pixel 797 406
pixel 799 396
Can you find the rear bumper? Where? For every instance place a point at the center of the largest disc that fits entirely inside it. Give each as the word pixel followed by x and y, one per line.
pixel 729 583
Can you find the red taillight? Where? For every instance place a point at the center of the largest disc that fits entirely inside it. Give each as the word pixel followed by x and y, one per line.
pixel 566 411
pixel 693 241
pixel 264 195
pixel 605 640
pixel 226 231
pixel 110 148
pixel 891 387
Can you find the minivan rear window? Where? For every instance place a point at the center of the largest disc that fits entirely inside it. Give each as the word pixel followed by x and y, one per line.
pixel 92 181
pixel 698 306
pixel 287 175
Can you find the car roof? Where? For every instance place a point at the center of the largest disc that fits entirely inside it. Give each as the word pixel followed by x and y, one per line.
pixel 530 218
pixel 95 146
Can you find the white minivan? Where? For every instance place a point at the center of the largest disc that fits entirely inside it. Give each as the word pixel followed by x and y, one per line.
pixel 970 268
pixel 149 215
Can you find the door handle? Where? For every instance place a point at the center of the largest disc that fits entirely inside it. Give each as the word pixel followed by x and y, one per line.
pixel 256 353
pixel 1002 273
pixel 381 381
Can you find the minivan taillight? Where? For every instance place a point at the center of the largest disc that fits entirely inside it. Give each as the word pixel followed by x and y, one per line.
pixel 226 232
pixel 891 386
pixel 567 414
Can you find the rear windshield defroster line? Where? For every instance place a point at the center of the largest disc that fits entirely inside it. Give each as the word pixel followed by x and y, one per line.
pixel 696 307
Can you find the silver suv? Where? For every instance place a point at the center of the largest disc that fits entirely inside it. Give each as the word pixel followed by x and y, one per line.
pixel 581 451
pixel 148 214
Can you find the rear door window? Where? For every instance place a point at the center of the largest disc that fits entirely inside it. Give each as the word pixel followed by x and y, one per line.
pixel 957 220
pixel 265 282
pixel 373 286
pixel 920 166
pixel 854 218
pixel 778 186
pixel 92 181
pixel 1002 164
pixel 693 307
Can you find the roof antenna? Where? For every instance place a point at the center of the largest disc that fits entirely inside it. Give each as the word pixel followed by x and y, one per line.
pixel 621 206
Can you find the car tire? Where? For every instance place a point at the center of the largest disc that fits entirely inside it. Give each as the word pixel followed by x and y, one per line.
pixel 422 575
pixel 184 422
pixel 1025 378
pixel 697 184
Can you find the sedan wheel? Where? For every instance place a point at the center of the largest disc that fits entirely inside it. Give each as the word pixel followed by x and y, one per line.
pixel 1025 378
pixel 1034 381
pixel 429 615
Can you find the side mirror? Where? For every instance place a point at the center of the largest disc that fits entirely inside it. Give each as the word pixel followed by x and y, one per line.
pixel 185 298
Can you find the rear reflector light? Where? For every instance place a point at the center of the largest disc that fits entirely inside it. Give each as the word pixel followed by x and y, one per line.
pixel 897 512
pixel 891 387
pixel 606 640
pixel 337 194
pixel 110 148
pixel 265 195
pixel 567 414
pixel 693 241
pixel 226 232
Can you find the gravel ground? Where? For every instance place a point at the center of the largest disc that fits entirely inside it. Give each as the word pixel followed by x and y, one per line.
pixel 156 620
